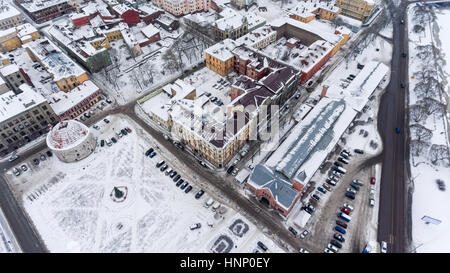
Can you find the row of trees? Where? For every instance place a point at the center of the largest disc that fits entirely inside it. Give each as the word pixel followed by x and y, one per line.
pixel 428 90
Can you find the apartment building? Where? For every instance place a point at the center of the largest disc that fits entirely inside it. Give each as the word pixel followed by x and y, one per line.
pixel 9 17
pixel 23 118
pixel 44 10
pixel 181 7
pixel 307 10
pixel 232 25
pixel 14 76
pixel 358 9
pixel 14 37
pixel 219 57
pixel 65 72
pixel 259 38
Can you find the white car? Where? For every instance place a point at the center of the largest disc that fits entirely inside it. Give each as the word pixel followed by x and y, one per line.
pixel 327 250
pixel 347 206
pixel 304 234
pixel 351 190
pixel 195 226
pixel 16 172
pixel 383 247
pixel 302 250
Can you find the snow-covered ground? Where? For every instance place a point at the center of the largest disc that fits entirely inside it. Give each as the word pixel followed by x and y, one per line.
pixel 71 206
pixel 427 199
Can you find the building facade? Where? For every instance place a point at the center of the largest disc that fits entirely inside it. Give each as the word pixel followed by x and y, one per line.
pixel 14 76
pixel 9 17
pixel 23 118
pixel 358 9
pixel 44 10
pixel 181 7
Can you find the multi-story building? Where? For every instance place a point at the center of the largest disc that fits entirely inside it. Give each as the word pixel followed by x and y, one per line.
pixel 3 87
pixel 259 38
pixel 219 57
pixel 9 40
pixel 14 76
pixel 9 16
pixel 23 118
pixel 240 4
pixel 44 10
pixel 358 9
pixel 85 44
pixel 181 7
pixel 69 105
pixel 307 10
pixel 65 72
pixel 128 14
pixel 232 25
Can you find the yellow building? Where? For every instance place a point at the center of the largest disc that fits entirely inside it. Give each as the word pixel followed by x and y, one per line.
pixel 219 57
pixel 9 40
pixel 65 72
pixel 358 9
pixel 306 11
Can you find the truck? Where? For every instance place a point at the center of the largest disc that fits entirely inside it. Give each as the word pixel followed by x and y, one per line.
pixel 344 216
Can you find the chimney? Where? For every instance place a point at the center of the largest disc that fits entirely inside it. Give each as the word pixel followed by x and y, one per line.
pixel 324 91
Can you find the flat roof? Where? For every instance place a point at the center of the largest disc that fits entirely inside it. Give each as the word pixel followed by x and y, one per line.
pixel 12 104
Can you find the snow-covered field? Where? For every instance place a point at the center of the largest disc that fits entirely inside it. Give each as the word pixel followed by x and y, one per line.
pixel 71 207
pixel 429 129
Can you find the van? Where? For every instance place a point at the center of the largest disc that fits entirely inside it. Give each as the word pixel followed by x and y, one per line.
pixel 216 206
pixel 209 202
pixel 344 216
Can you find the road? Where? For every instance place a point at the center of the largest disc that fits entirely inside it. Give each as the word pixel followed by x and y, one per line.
pixel 392 216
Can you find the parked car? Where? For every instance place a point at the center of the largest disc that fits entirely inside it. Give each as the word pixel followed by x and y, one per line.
pixel 199 194
pixel 302 250
pixel 195 226
pixel 172 175
pixel 350 195
pixel 36 161
pixel 124 132
pixel 230 169
pixel 108 142
pixel 304 234
pixel 371 202
pixel 160 163
pixel 188 189
pixel 358 182
pixel 96 127
pixel 354 186
pixel 106 120
pixel 49 153
pixel 152 155
pixel 164 167
pixel 336 243
pixel 339 237
pixel 347 206
pixel 333 247
pixel 339 229
pixel 359 151
pixel 343 160
pixel 331 182
pixel 340 223
pixel 383 247
pixel 338 164
pixel 176 178
pixel 293 231
pixel 128 130
pixel 326 186
pixel 322 190
pixel 350 190
pixel 372 180
pixel 16 172
pixel 315 197
pixel 262 246
pixel 181 181
pixel 42 157
pixel 119 134
pixel 169 171
pixel 24 167
pixel 183 186
pixel 102 143
pixel 114 140
pixel 327 250
pixel 345 210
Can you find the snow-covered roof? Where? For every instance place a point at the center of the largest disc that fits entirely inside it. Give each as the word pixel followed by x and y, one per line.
pixel 63 101
pixel 8 11
pixel 314 54
pixel 363 85
pixel 149 31
pixel 308 8
pixel 327 36
pixel 148 8
pixel 54 61
pixel 310 141
pixel 242 175
pixel 253 38
pixel 222 50
pixel 121 9
pixel 254 20
pixel 12 104
pixel 231 20
pixel 9 69
pixel 37 5
pixel 67 134
pixel 25 30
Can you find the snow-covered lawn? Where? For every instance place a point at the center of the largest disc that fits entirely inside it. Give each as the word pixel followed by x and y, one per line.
pixel 71 207
pixel 428 200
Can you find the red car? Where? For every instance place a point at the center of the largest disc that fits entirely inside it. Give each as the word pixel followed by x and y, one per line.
pixel 345 210
pixel 128 130
pixel 372 180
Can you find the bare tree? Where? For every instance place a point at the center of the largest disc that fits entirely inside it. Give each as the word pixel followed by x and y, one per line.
pixel 421 132
pixel 428 87
pixel 439 153
pixel 418 146
pixel 432 106
pixel 417 112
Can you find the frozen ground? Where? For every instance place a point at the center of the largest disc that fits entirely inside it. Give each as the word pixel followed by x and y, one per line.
pixel 428 200
pixel 71 207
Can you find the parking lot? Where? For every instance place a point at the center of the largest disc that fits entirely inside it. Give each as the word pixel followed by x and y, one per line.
pixel 72 209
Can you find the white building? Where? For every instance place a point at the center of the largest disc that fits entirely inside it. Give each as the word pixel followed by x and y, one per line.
pixel 71 141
